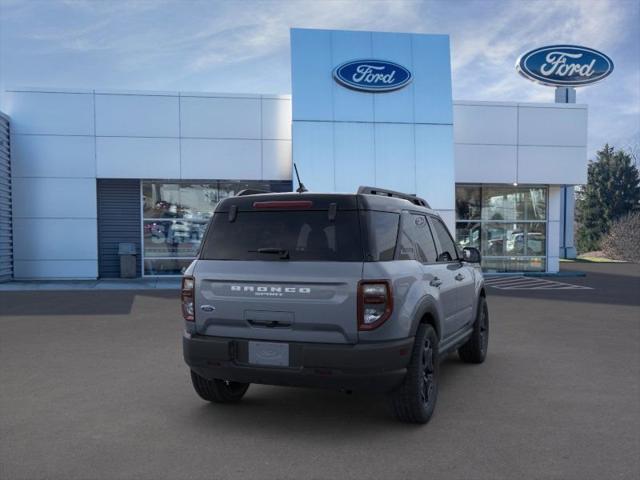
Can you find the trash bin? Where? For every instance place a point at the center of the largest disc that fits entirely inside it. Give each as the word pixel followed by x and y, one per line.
pixel 127 252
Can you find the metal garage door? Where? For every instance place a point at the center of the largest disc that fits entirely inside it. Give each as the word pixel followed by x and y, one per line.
pixel 6 237
pixel 118 222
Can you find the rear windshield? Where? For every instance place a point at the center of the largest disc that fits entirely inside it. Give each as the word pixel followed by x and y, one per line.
pixel 303 236
pixel 284 235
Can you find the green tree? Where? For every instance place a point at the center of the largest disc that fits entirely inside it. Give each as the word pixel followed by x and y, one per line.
pixel 612 190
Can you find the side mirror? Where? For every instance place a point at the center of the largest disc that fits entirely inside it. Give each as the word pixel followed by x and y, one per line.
pixel 471 255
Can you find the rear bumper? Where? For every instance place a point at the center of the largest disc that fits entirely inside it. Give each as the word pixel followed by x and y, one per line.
pixel 375 367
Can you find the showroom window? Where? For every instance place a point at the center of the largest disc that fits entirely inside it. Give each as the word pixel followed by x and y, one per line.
pixel 507 224
pixel 175 216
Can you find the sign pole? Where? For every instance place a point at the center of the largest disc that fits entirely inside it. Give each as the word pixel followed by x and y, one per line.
pixel 565 95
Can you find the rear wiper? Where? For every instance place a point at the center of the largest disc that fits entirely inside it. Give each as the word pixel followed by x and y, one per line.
pixel 283 252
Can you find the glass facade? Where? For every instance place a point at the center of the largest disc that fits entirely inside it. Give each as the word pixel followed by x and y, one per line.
pixel 175 216
pixel 507 224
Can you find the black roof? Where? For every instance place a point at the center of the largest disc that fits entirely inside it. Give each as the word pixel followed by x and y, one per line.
pixel 322 201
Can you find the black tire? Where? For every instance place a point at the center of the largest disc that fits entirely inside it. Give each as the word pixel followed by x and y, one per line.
pixel 218 391
pixel 415 400
pixel 475 349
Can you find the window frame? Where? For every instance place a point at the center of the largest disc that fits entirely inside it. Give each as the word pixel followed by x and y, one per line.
pixel 510 259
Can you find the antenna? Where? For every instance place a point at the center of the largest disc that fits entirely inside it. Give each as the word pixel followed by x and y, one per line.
pixel 301 188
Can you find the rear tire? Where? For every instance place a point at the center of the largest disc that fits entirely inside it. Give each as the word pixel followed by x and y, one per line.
pixel 414 401
pixel 475 349
pixel 218 391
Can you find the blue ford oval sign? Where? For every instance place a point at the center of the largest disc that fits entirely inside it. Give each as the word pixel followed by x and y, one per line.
pixel 372 75
pixel 564 65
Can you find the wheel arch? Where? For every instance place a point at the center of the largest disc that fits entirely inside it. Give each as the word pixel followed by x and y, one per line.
pixel 427 313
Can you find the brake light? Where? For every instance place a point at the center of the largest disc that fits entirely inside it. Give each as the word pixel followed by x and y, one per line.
pixel 284 204
pixel 375 303
pixel 186 297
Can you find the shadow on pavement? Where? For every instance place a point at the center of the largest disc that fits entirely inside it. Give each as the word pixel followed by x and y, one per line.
pixel 320 413
pixel 74 302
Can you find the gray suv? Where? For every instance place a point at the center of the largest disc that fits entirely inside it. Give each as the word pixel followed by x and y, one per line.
pixel 363 291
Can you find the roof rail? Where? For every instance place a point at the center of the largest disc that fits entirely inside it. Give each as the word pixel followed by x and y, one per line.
pixel 392 193
pixel 250 191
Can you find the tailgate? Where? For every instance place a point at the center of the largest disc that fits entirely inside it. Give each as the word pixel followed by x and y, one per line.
pixel 281 301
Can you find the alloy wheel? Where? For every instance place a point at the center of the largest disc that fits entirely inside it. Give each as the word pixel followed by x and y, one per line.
pixel 428 373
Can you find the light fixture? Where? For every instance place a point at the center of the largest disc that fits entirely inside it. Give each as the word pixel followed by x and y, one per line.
pixel 515 184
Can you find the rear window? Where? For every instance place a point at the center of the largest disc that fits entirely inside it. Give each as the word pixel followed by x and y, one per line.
pixel 284 235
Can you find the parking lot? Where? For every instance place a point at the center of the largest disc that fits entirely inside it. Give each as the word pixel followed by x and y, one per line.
pixel 92 385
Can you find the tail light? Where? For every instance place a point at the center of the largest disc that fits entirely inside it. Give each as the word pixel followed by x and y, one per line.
pixel 186 296
pixel 375 303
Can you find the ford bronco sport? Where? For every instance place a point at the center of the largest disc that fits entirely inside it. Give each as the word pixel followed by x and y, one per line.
pixel 363 291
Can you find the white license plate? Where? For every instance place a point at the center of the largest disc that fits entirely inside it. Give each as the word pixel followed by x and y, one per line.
pixel 269 353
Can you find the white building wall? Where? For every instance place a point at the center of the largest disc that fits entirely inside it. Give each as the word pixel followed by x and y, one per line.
pixel 54 207
pixel 63 140
pixel 505 142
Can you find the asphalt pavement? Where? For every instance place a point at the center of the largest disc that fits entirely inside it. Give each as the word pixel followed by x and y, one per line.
pixel 93 386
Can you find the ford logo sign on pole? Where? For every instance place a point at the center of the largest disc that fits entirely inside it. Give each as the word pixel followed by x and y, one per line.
pixel 376 76
pixel 564 66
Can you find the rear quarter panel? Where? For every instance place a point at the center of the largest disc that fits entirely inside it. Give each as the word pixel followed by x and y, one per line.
pixel 411 291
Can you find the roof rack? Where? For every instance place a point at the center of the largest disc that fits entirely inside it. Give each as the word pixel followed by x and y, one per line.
pixel 392 193
pixel 250 191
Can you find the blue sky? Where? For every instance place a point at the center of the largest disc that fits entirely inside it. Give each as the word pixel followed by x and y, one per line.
pixel 243 46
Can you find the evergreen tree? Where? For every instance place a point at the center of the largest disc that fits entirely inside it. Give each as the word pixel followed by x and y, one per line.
pixel 612 190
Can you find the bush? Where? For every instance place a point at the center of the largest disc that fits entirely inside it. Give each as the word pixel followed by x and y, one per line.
pixel 623 240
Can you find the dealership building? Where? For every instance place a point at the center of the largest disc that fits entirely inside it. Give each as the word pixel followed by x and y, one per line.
pixel 88 175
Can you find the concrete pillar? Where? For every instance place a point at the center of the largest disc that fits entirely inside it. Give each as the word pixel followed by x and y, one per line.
pixel 567 215
pixel 554 227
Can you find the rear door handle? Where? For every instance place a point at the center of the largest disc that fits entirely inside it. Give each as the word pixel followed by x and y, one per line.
pixel 436 282
pixel 459 277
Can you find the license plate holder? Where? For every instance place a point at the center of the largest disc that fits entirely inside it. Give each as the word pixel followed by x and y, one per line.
pixel 270 354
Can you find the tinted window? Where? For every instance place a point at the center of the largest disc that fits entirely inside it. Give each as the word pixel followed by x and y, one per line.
pixel 425 244
pixel 279 235
pixel 447 250
pixel 416 242
pixel 382 233
pixel 407 245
